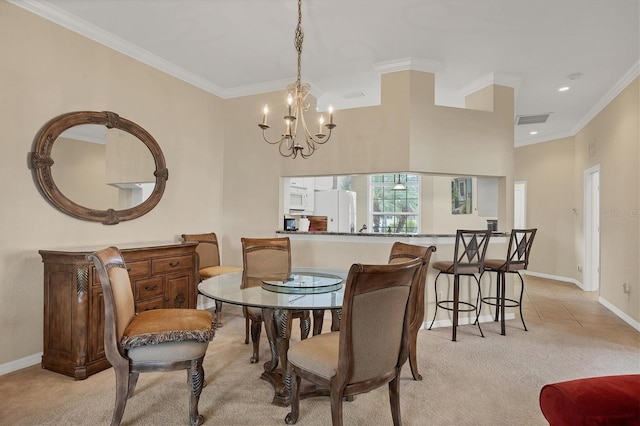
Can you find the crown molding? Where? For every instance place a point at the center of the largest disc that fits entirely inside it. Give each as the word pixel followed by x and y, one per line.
pixel 406 64
pixel 492 79
pixel 541 139
pixel 626 79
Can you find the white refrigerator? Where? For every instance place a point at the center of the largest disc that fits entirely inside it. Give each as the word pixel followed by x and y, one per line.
pixel 340 208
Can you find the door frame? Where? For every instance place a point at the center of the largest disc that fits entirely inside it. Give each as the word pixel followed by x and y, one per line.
pixel 591 270
pixel 523 206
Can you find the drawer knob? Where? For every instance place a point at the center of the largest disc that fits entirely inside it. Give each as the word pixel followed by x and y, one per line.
pixel 150 288
pixel 174 264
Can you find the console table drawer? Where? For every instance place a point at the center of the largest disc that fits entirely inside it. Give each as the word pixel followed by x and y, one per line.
pixel 150 287
pixel 170 264
pixel 138 269
pixel 148 305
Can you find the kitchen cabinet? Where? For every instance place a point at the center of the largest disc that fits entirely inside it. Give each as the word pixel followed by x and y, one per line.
pixel 299 198
pixel 163 275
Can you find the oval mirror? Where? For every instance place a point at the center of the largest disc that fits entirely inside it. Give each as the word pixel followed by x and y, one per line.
pixel 98 166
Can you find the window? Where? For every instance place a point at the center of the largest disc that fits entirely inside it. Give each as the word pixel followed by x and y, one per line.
pixel 394 211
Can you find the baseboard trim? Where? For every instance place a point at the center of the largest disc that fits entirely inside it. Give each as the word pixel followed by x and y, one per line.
pixel 554 277
pixel 624 317
pixel 464 321
pixel 21 363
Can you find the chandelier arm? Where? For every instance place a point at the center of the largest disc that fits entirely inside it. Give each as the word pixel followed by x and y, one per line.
pixel 288 152
pixel 264 136
pixel 309 136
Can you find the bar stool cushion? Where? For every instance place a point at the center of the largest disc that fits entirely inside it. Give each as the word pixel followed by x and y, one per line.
pixel 446 266
pixel 607 400
pixel 501 265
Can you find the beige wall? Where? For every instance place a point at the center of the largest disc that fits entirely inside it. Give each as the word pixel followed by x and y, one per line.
pixel 548 170
pixel 47 70
pixel 614 136
pixel 554 172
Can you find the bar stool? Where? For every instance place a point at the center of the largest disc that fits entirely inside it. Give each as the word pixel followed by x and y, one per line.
pixel 517 260
pixel 468 260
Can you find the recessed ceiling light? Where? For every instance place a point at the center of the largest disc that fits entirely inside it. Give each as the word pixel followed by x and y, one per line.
pixel 563 88
pixel 533 133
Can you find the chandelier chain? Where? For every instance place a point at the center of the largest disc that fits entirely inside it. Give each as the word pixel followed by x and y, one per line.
pixel 299 38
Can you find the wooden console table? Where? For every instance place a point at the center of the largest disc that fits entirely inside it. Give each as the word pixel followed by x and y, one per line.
pixel 163 275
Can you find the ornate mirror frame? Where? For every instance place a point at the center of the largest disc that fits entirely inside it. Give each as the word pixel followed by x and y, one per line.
pixel 41 163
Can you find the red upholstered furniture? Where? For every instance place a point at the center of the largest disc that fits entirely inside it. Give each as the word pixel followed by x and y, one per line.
pixel 607 400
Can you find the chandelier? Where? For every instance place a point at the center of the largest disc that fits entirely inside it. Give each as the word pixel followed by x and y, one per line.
pixel 289 144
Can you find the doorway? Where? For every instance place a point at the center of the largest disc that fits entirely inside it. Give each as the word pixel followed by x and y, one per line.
pixel 520 204
pixel 591 272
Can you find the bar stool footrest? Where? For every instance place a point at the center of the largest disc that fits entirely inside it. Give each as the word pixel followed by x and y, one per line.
pixel 470 307
pixel 494 301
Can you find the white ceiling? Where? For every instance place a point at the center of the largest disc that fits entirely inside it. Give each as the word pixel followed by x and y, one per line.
pixel 237 47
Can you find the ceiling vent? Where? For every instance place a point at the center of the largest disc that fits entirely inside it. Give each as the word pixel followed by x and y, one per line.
pixel 354 95
pixel 532 119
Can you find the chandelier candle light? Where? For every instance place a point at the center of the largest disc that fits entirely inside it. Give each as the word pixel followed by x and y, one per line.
pixel 297 105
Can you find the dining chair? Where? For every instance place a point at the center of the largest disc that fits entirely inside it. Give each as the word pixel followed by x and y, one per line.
pixel 469 251
pixel 154 340
pixel 208 251
pixel 262 257
pixel 401 252
pixel 517 260
pixel 371 346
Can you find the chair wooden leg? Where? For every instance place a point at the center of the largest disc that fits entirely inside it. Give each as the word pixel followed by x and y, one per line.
pixel 246 331
pixel 218 312
pixel 413 356
pixel 133 380
pixel 336 316
pixel 318 321
pixel 394 399
pixel 196 372
pixel 336 407
pixel 292 417
pixel 122 390
pixel 256 330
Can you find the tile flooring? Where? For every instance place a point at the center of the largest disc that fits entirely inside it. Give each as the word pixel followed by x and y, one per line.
pixel 565 304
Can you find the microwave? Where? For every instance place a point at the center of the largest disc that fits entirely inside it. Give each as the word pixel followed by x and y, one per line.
pixel 297 199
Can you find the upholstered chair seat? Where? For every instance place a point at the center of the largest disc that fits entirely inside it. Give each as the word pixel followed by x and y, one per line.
pixel 214 271
pixel 320 355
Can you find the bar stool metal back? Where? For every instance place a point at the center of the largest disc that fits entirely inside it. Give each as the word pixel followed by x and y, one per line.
pixel 517 260
pixel 468 260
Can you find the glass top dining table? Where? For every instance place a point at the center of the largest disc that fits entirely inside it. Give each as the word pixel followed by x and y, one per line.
pixel 226 288
pixel 276 305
